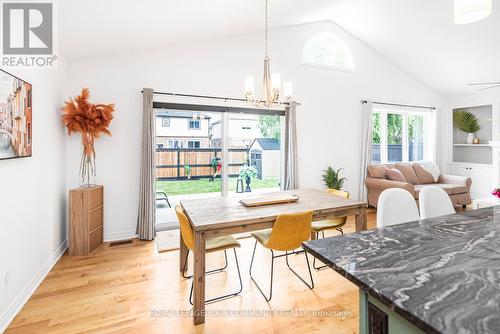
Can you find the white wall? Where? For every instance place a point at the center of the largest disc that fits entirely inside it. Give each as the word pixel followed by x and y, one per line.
pixel 32 199
pixel 179 128
pixel 329 118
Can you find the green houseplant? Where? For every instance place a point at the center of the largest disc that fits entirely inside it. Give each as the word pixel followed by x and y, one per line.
pixel 332 178
pixel 467 122
pixel 247 173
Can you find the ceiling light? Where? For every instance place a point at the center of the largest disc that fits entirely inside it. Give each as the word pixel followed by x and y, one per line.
pixel 271 84
pixel 469 11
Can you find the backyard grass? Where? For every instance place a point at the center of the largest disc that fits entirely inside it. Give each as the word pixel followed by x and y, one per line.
pixel 200 186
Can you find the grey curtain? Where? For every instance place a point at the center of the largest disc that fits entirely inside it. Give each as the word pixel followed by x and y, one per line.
pixel 366 146
pixel 290 177
pixel 146 215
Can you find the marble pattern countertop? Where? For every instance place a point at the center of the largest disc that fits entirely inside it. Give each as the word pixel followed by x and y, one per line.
pixel 441 274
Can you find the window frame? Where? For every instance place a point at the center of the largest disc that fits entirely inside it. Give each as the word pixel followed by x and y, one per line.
pixel 405 113
pixel 197 121
pixel 163 119
pixel 343 45
pixel 194 144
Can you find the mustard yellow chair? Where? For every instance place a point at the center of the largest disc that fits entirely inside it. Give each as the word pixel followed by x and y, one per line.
pixel 329 224
pixel 287 234
pixel 212 245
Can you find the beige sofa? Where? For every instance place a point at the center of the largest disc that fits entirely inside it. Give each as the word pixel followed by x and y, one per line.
pixel 457 187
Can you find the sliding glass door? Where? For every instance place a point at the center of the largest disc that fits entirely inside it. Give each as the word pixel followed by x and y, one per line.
pixel 209 153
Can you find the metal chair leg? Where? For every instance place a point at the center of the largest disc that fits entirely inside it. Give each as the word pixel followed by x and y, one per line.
pixel 310 286
pixel 234 294
pixel 272 267
pixel 213 271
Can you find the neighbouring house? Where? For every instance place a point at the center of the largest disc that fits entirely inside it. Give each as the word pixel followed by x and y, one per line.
pixel 265 155
pixel 242 129
pixel 182 129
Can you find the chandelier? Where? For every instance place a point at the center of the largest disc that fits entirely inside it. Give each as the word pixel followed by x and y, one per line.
pixel 271 84
pixel 469 11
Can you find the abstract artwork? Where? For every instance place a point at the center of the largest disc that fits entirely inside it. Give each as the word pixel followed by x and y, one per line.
pixel 15 117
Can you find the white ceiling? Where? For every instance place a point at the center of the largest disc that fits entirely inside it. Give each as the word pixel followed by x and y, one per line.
pixel 417 35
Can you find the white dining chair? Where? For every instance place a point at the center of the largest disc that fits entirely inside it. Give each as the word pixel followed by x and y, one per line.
pixel 434 202
pixel 396 206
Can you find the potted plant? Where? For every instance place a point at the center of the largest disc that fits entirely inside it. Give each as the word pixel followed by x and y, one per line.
pixel 187 170
pixel 467 122
pixel 247 173
pixel 332 178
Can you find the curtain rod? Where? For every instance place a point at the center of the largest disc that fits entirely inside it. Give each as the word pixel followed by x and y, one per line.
pixel 398 105
pixel 210 97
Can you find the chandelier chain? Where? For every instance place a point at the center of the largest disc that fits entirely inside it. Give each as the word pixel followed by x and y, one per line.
pixel 266 27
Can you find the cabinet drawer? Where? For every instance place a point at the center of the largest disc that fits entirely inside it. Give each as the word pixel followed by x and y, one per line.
pixel 96 198
pixel 95 218
pixel 95 239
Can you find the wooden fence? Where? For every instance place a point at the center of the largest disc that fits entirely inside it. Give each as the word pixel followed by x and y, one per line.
pixel 171 162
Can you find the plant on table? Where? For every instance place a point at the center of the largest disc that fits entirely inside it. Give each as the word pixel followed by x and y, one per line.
pixel 332 179
pixel 247 173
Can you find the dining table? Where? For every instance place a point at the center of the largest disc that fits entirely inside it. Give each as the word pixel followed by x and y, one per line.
pixel 226 215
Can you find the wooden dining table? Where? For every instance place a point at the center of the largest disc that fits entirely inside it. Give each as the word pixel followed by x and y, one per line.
pixel 220 216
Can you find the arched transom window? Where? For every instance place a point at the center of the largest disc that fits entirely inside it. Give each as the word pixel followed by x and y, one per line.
pixel 329 50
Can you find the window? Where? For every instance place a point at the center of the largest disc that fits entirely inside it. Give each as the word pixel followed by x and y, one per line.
pixel 401 136
pixel 193 144
pixel 174 144
pixel 194 124
pixel 165 122
pixel 326 49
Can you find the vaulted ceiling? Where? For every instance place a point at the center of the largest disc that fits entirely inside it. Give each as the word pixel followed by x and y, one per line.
pixel 417 35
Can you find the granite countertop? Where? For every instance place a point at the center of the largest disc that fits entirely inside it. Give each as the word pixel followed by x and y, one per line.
pixel 441 274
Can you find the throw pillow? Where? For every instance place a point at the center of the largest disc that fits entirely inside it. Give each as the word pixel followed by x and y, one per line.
pixel 377 171
pixel 395 175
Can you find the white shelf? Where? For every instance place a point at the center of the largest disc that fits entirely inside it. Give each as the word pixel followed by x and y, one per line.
pixel 472 145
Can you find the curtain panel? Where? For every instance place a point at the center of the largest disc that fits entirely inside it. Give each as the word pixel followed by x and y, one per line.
pixel 366 146
pixel 290 177
pixel 147 188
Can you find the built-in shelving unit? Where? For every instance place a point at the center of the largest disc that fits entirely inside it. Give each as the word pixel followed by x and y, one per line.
pixel 475 153
pixel 475 160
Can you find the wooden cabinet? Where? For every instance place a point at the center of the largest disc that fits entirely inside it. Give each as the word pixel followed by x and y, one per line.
pixel 86 225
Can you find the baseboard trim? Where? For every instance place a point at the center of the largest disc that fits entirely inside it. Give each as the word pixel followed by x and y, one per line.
pixel 17 304
pixel 117 236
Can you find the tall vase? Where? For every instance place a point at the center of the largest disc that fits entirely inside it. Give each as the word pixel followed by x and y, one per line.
pixel 470 138
pixel 87 170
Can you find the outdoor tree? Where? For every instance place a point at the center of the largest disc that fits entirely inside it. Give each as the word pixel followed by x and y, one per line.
pixel 270 126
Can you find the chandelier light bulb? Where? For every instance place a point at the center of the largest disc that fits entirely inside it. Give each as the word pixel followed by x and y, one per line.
pixel 249 85
pixel 288 90
pixel 276 81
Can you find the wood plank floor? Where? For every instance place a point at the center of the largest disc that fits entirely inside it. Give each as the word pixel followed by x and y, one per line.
pixel 134 289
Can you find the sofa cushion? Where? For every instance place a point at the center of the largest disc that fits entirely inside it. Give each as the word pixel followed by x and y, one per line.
pixel 394 174
pixel 378 171
pixel 454 189
pixel 451 189
pixel 408 173
pixel 424 177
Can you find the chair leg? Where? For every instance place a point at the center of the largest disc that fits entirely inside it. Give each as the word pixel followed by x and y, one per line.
pixel 272 267
pixel 234 294
pixel 213 271
pixel 314 258
pixel 310 286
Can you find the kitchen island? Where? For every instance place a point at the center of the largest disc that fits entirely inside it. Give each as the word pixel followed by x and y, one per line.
pixel 439 275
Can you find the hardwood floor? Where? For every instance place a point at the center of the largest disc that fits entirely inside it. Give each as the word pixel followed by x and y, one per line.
pixel 132 288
